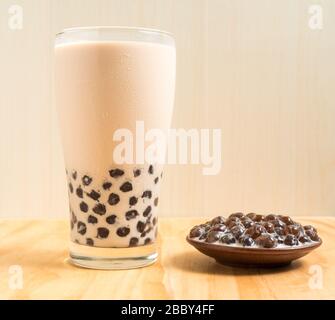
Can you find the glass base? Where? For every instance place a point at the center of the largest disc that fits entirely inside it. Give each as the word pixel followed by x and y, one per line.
pixel 112 258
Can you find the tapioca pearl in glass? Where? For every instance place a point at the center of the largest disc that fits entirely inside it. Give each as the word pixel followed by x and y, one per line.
pixel 116 173
pixel 122 231
pixel 81 228
pixel 102 233
pixel 140 226
pixel 74 175
pixel 111 219
pixel 147 211
pixel 113 199
pixel 94 195
pixel 79 192
pixel 133 200
pixel 89 242
pixel 70 187
pixel 147 194
pixel 86 180
pixel 99 209
pixel 147 241
pixel 92 219
pixel 133 242
pixel 83 206
pixel 137 173
pixel 126 187
pixel 106 185
pixel 131 214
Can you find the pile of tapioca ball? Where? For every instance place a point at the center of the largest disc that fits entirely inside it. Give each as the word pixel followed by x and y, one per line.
pixel 255 230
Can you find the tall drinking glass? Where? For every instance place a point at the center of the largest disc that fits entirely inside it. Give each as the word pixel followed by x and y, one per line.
pixel 112 83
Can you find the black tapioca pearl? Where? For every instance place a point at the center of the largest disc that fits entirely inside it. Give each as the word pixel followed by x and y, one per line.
pixel 147 211
pixel 237 231
pixel 147 241
pixel 269 227
pixel 266 241
pixel 219 227
pixel 83 206
pixel 258 218
pixel 81 228
pixel 113 199
pixel 86 180
pixel 131 214
pixel 296 230
pixel 287 220
pixel 281 231
pixel 73 217
pixel 94 195
pixel 71 187
pixel 237 215
pixel 107 185
pixel 278 223
pixel 156 202
pixel 137 172
pixel 99 208
pixel 115 173
pixel 71 224
pixel 228 239
pixel 247 241
pixel 74 175
pixel 76 241
pixel 154 221
pixel 304 239
pixel 156 180
pixel 151 169
pixel 251 215
pixel 89 242
pixel 79 192
pixel 255 231
pixel 103 233
pixel 140 226
pixel 312 234
pixel 92 219
pixel 280 239
pixel 214 236
pixel 147 194
pixel 309 227
pixel 247 222
pixel 148 221
pixel 291 240
pixel 133 242
pixel 123 231
pixel 132 201
pixel 126 187
pixel 216 220
pixel 271 217
pixel 111 219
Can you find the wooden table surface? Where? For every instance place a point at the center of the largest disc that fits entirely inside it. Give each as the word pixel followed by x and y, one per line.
pixel 39 248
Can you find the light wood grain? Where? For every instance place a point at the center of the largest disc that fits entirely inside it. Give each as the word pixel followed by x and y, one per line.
pixel 40 248
pixel 252 68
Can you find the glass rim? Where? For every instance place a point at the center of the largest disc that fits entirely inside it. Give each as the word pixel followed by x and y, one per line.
pixel 75 35
pixel 111 28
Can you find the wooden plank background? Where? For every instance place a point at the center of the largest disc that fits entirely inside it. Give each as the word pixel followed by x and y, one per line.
pixel 252 68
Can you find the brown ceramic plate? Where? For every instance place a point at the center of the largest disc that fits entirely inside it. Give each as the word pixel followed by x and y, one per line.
pixel 252 257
